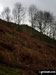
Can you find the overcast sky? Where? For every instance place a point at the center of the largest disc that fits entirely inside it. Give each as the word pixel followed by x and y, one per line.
pixel 49 5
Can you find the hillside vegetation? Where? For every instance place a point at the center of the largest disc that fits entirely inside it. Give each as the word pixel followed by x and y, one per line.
pixel 30 32
pixel 24 49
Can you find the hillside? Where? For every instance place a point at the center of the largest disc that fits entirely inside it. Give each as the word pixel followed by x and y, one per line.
pixel 30 32
pixel 23 51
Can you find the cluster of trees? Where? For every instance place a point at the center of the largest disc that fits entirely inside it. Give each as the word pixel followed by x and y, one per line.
pixel 43 20
pixel 17 13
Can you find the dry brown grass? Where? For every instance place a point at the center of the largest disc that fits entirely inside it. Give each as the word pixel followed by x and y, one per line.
pixel 20 50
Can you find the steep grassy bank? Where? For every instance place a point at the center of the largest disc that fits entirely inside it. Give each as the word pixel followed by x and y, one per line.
pixel 24 53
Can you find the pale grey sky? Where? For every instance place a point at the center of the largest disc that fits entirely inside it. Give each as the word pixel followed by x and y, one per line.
pixel 49 5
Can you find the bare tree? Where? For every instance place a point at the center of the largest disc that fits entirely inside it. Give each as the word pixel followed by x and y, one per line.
pixel 48 21
pixel 39 19
pixel 18 13
pixel 53 30
pixel 6 14
pixel 32 12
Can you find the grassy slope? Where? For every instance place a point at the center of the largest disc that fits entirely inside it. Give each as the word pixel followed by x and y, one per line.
pixel 16 49
pixel 10 45
pixel 37 35
pixel 30 32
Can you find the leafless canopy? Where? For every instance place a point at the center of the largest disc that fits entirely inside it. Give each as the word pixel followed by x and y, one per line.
pixel 18 12
pixel 6 14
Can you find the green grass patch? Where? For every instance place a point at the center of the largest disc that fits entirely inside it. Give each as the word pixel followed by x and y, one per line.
pixel 27 49
pixel 10 35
